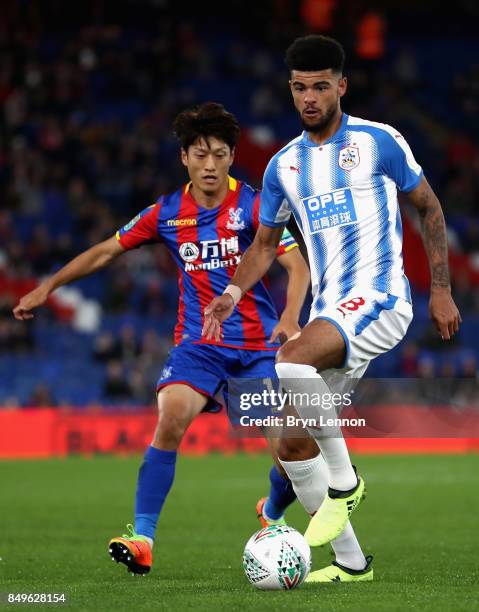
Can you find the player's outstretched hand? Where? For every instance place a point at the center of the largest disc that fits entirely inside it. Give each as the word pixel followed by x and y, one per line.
pixel 444 312
pixel 27 303
pixel 217 311
pixel 284 329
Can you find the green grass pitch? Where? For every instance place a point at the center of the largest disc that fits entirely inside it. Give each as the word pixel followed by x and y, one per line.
pixel 419 520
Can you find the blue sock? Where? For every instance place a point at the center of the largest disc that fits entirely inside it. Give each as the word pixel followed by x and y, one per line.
pixel 154 483
pixel 281 495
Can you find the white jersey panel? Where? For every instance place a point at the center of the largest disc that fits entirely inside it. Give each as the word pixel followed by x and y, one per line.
pixel 411 162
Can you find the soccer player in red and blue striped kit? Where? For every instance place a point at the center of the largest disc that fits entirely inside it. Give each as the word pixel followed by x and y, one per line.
pixel 206 225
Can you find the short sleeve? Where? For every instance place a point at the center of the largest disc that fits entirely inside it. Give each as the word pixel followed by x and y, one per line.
pixel 142 229
pixel 286 244
pixel 398 163
pixel 274 208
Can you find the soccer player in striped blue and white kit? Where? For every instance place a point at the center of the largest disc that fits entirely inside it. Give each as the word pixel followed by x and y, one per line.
pixel 339 179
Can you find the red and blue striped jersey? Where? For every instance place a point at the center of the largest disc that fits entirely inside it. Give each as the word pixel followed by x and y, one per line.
pixel 207 245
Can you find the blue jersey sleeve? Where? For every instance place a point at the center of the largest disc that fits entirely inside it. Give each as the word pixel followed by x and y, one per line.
pixel 274 209
pixel 398 163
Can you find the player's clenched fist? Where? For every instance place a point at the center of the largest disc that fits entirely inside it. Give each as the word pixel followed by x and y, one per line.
pixel 217 311
pixel 444 312
pixel 35 298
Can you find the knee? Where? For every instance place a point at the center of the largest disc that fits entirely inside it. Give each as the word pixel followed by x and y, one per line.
pixel 171 427
pixel 290 359
pixel 288 353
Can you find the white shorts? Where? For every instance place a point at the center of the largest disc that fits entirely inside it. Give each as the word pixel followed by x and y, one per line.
pixel 370 324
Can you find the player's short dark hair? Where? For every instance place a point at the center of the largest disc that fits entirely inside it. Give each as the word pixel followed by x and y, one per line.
pixel 315 52
pixel 208 120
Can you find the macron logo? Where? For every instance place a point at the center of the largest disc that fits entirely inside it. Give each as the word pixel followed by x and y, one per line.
pixel 294 169
pixel 180 222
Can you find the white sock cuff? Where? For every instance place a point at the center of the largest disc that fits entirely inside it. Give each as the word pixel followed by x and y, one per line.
pixel 303 469
pixel 310 481
pixel 295 370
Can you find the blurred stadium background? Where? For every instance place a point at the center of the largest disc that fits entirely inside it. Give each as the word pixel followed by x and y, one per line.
pixel 88 96
pixel 88 92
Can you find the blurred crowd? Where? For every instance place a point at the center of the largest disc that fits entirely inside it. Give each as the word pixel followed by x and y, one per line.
pixel 86 143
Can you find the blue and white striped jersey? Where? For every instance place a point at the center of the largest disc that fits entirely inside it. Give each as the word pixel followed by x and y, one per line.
pixel 343 195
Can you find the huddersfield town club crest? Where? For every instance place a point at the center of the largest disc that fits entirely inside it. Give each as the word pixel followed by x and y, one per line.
pixel 349 158
pixel 235 222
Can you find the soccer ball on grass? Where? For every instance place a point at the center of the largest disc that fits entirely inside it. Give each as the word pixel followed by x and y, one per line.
pixel 276 558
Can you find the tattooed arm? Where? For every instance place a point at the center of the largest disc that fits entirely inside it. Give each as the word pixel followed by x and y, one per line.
pixel 442 308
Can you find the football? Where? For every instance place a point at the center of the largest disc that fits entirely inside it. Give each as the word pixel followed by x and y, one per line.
pixel 276 558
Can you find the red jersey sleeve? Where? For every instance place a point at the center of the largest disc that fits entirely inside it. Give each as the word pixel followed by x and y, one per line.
pixel 143 229
pixel 256 212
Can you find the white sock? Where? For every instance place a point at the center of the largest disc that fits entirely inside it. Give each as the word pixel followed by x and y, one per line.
pixel 340 471
pixel 308 480
pixel 310 483
pixel 347 550
pixel 302 378
pixel 149 540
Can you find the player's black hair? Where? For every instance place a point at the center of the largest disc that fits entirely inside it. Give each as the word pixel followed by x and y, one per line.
pixel 315 52
pixel 209 119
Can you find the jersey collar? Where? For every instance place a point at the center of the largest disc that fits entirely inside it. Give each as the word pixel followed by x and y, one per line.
pixel 335 137
pixel 233 186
